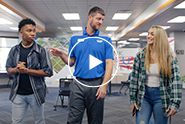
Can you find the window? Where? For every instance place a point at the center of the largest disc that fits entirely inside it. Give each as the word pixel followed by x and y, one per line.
pixel 5 46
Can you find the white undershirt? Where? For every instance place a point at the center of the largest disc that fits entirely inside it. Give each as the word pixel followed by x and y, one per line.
pixel 152 78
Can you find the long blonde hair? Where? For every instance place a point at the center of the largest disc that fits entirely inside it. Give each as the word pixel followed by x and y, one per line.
pixel 163 52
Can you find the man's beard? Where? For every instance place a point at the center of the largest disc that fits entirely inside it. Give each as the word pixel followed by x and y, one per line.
pixel 94 27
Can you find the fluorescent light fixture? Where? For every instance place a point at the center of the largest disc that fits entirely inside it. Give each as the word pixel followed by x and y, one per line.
pixel 178 19
pixel 111 28
pixel 71 16
pixel 123 42
pixel 144 34
pixel 121 16
pixel 133 39
pixel 76 28
pixel 109 35
pixel 4 21
pixel 165 27
pixel 180 6
pixel 14 28
pixel 6 9
pixel 9 11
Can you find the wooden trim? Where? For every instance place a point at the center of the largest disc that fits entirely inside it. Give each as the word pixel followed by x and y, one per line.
pixel 165 6
pixel 21 15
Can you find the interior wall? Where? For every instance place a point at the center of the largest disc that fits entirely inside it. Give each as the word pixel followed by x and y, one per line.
pixel 3 79
pixel 9 34
pixel 180 45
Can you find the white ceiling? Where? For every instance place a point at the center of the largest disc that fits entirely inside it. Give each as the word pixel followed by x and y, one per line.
pixel 50 13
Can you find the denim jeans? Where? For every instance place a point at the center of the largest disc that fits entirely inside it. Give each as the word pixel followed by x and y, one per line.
pixel 20 105
pixel 151 104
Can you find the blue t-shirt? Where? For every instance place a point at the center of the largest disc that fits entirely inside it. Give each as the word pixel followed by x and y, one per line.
pixel 87 45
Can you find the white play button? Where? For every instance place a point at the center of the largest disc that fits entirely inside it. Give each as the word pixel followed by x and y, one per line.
pixel 93 62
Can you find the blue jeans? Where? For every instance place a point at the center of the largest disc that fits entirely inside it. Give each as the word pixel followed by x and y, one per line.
pixel 20 105
pixel 151 103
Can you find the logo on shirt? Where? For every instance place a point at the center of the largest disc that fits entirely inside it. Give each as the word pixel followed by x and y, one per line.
pixel 99 41
pixel 80 40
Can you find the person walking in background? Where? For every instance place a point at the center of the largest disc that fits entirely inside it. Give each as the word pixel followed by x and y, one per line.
pixel 82 97
pixel 29 63
pixel 155 85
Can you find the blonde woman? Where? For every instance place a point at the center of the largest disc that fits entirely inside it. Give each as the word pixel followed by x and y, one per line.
pixel 155 81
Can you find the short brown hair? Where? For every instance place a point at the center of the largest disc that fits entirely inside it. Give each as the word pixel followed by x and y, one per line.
pixel 93 11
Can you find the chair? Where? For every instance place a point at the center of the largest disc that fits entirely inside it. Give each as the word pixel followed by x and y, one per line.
pixel 125 83
pixel 10 77
pixel 63 90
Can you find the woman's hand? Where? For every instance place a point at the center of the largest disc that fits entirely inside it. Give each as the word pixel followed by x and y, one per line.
pixel 171 112
pixel 133 111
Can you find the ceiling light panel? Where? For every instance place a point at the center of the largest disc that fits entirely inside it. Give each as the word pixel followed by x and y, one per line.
pixel 165 27
pixel 144 34
pixel 6 9
pixel 178 19
pixel 180 6
pixel 4 21
pixel 109 35
pixel 121 16
pixel 111 28
pixel 71 16
pixel 14 28
pixel 9 11
pixel 123 42
pixel 133 39
pixel 76 28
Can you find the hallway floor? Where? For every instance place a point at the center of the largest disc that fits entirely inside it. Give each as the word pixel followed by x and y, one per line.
pixel 116 109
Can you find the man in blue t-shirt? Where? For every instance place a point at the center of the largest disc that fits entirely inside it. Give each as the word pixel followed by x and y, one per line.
pixel 85 48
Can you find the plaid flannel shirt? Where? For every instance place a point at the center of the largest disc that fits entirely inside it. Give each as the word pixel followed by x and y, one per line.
pixel 170 89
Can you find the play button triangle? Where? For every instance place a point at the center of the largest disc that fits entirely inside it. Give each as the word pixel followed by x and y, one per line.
pixel 93 62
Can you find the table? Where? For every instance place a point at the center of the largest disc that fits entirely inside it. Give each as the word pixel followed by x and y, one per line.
pixel 109 85
pixel 63 78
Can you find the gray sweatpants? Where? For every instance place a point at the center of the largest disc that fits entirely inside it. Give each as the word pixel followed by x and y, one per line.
pixel 82 98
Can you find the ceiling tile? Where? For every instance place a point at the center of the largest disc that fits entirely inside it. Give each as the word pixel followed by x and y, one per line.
pixel 50 12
